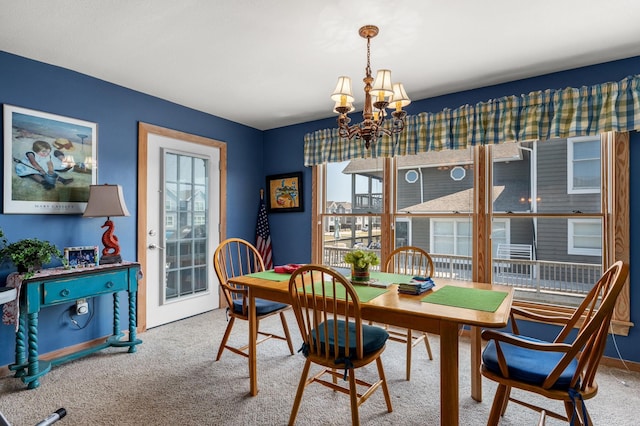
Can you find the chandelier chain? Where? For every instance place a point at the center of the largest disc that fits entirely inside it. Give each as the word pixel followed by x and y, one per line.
pixel 368 69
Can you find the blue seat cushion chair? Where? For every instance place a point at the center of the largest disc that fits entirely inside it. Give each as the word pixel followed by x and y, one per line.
pixel 528 365
pixel 263 306
pixel 373 338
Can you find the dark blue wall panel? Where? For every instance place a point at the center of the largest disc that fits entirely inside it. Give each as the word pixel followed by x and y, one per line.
pixel 117 111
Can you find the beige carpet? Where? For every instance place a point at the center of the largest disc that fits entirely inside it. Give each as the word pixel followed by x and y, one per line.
pixel 173 380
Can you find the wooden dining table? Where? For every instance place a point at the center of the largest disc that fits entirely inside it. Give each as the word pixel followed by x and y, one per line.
pixel 407 311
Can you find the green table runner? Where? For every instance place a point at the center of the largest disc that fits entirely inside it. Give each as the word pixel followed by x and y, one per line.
pixel 469 298
pixel 365 293
pixel 270 275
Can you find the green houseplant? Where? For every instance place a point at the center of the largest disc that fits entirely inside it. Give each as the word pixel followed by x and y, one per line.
pixel 28 254
pixel 360 261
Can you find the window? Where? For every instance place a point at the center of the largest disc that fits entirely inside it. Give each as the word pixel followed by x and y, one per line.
pixel 451 236
pixel 583 165
pixel 585 237
pixel 403 232
pixel 411 176
pixel 554 235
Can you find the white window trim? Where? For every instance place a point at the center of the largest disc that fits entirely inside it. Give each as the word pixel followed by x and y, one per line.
pixel 571 248
pixel 570 187
pixel 433 221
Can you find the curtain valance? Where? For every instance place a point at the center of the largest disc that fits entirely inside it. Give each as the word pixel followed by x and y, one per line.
pixel 584 111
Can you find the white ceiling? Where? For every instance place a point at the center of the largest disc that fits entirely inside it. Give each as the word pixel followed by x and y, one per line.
pixel 272 63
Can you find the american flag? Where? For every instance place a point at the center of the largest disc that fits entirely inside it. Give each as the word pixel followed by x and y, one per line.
pixel 263 236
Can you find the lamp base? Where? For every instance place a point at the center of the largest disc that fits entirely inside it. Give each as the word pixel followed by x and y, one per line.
pixel 109 259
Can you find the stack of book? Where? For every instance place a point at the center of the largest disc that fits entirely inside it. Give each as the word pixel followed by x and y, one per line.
pixel 417 285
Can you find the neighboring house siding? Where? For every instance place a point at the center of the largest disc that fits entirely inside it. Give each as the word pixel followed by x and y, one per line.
pixel 552 191
pixel 436 183
pixel 521 231
pixel 408 193
pixel 420 234
pixel 552 182
pixel 514 177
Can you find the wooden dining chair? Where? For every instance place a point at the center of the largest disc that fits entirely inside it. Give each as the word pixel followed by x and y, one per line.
pixel 235 257
pixel 327 310
pixel 563 369
pixel 414 261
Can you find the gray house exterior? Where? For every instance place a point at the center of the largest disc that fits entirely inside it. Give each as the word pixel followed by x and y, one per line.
pixel 528 177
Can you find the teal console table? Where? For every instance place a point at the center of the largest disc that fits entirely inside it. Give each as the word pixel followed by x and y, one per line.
pixel 55 286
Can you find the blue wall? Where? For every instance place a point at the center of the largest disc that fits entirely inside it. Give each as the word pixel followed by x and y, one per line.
pixel 117 111
pixel 283 152
pixel 252 155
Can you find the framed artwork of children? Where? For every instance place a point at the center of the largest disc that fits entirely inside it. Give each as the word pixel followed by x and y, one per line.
pixel 49 162
pixel 284 193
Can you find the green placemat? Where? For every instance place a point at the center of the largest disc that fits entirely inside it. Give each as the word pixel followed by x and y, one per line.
pixel 388 278
pixel 270 275
pixel 469 298
pixel 365 293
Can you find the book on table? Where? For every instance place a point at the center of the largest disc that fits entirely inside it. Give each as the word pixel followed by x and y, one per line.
pixel 417 285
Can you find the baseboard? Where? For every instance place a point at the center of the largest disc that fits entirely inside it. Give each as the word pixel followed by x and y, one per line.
pixel 4 370
pixel 621 364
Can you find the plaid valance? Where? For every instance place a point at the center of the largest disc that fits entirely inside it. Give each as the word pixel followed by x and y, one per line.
pixel 542 115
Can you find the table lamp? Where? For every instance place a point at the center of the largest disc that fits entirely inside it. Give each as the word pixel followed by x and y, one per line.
pixel 107 200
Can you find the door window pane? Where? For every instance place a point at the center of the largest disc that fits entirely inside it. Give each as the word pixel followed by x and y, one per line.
pixel 186 228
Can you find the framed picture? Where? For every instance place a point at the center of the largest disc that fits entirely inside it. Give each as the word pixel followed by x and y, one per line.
pixel 49 162
pixel 81 257
pixel 284 193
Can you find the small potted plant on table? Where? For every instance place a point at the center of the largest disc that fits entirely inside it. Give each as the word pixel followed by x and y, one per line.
pixel 360 261
pixel 28 254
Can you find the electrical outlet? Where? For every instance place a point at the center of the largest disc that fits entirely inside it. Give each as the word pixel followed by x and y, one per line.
pixel 82 307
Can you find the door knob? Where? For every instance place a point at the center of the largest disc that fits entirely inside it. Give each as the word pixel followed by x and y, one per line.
pixel 153 247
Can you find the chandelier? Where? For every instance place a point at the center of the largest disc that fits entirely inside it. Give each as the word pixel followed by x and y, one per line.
pixel 377 97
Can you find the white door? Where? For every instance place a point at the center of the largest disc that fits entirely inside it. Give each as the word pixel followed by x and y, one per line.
pixel 183 222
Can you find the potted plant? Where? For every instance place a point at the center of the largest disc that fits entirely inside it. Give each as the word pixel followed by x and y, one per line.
pixel 28 254
pixel 360 261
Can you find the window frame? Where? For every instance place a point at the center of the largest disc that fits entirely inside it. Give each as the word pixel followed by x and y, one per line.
pixel 571 143
pixel 615 208
pixel 571 247
pixel 455 236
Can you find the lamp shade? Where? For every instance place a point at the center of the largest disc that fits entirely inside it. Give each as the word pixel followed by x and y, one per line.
pixel 399 95
pixel 382 84
pixel 343 93
pixel 105 201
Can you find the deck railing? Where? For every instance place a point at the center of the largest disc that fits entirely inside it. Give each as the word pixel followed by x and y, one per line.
pixel 529 275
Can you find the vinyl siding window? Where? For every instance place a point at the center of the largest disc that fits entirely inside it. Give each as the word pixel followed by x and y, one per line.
pixel 451 236
pixel 583 165
pixel 584 237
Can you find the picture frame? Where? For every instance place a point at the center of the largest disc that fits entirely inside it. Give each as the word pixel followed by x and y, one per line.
pixel 56 178
pixel 81 257
pixel 284 193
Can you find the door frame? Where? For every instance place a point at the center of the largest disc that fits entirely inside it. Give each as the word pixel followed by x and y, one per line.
pixel 144 130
